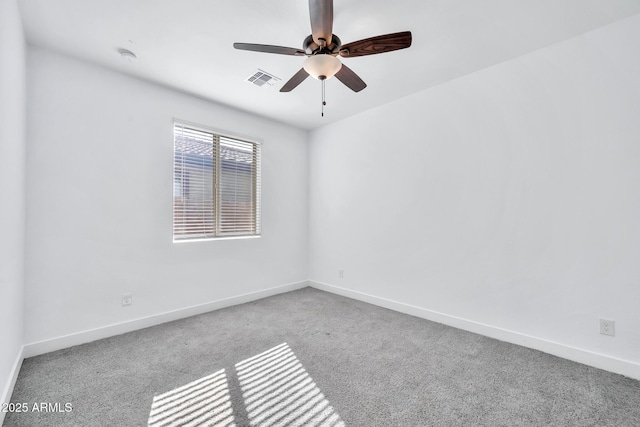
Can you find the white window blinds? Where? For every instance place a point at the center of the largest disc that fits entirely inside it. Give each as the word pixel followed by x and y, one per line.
pixel 216 185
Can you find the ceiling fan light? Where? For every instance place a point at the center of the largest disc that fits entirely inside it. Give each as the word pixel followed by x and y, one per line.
pixel 322 66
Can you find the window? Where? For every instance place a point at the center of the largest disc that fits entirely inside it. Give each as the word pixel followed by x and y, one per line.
pixel 216 185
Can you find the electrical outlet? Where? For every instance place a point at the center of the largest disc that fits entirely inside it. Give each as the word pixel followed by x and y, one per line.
pixel 127 299
pixel 341 273
pixel 607 327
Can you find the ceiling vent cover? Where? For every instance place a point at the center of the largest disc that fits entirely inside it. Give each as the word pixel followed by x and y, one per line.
pixel 262 78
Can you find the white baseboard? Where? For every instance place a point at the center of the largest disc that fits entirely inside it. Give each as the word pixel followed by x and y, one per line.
pixel 601 361
pixel 58 343
pixel 13 377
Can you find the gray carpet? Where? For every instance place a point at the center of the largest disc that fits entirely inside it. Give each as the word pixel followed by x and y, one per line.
pixel 312 358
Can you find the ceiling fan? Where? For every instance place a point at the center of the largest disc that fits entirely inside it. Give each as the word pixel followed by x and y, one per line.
pixel 322 47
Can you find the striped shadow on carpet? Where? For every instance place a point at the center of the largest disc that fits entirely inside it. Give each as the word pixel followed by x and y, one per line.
pixel 276 389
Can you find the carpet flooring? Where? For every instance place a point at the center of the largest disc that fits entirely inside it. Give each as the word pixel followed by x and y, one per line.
pixel 311 358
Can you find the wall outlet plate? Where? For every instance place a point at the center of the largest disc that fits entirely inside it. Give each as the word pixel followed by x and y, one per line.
pixel 607 327
pixel 127 299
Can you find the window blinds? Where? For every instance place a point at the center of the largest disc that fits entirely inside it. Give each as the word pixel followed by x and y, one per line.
pixel 216 185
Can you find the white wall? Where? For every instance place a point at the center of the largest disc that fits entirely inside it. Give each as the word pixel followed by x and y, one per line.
pixel 12 186
pixel 509 197
pixel 99 191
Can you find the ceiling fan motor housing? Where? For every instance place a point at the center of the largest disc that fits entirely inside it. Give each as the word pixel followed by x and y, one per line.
pixel 311 47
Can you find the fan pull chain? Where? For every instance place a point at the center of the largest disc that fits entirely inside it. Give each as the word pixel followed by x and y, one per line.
pixel 323 98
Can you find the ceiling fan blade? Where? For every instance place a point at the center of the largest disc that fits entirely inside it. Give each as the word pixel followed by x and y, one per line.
pixel 295 81
pixel 267 48
pixel 350 79
pixel 379 44
pixel 321 12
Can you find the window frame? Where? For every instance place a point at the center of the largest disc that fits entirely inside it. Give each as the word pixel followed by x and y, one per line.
pixel 256 183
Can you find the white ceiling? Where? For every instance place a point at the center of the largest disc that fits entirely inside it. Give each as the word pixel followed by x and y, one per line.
pixel 187 44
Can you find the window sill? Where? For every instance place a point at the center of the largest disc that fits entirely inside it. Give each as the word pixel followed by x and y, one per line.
pixel 209 239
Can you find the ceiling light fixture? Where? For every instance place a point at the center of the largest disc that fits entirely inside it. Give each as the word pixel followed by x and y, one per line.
pixel 322 66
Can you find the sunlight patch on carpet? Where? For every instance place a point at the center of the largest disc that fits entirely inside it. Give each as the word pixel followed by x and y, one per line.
pixel 278 391
pixel 203 402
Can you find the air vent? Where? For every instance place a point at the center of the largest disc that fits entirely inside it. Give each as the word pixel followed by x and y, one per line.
pixel 262 78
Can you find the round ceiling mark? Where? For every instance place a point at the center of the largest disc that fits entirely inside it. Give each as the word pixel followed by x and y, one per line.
pixel 127 54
